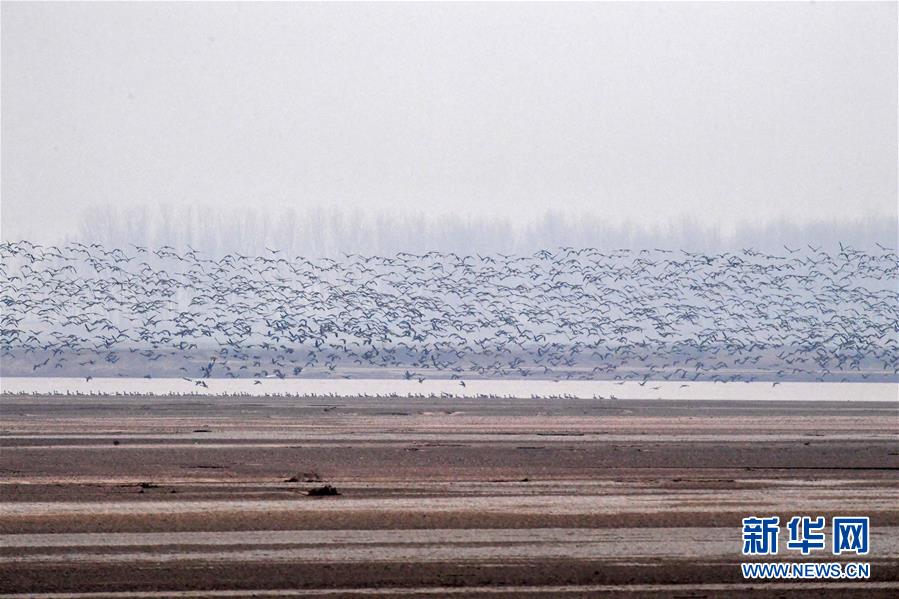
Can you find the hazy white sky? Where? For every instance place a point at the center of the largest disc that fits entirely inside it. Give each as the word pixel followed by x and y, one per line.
pixel 721 112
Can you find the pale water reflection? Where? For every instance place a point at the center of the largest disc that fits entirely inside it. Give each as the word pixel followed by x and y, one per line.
pixel 788 391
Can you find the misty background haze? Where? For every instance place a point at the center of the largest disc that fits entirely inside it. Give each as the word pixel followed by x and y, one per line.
pixel 321 128
pixel 332 232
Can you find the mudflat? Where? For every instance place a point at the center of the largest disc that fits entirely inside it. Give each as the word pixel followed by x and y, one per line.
pixel 152 496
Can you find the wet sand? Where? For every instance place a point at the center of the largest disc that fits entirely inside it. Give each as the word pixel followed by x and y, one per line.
pixel 207 496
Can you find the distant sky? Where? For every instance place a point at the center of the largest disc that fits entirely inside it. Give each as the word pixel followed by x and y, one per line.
pixel 722 113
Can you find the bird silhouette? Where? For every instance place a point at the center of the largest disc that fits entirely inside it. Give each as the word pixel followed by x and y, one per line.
pixel 563 313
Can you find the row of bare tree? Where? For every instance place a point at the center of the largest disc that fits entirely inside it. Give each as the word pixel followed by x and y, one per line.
pixel 329 232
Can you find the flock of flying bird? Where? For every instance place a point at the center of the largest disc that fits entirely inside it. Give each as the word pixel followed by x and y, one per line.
pixel 642 315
